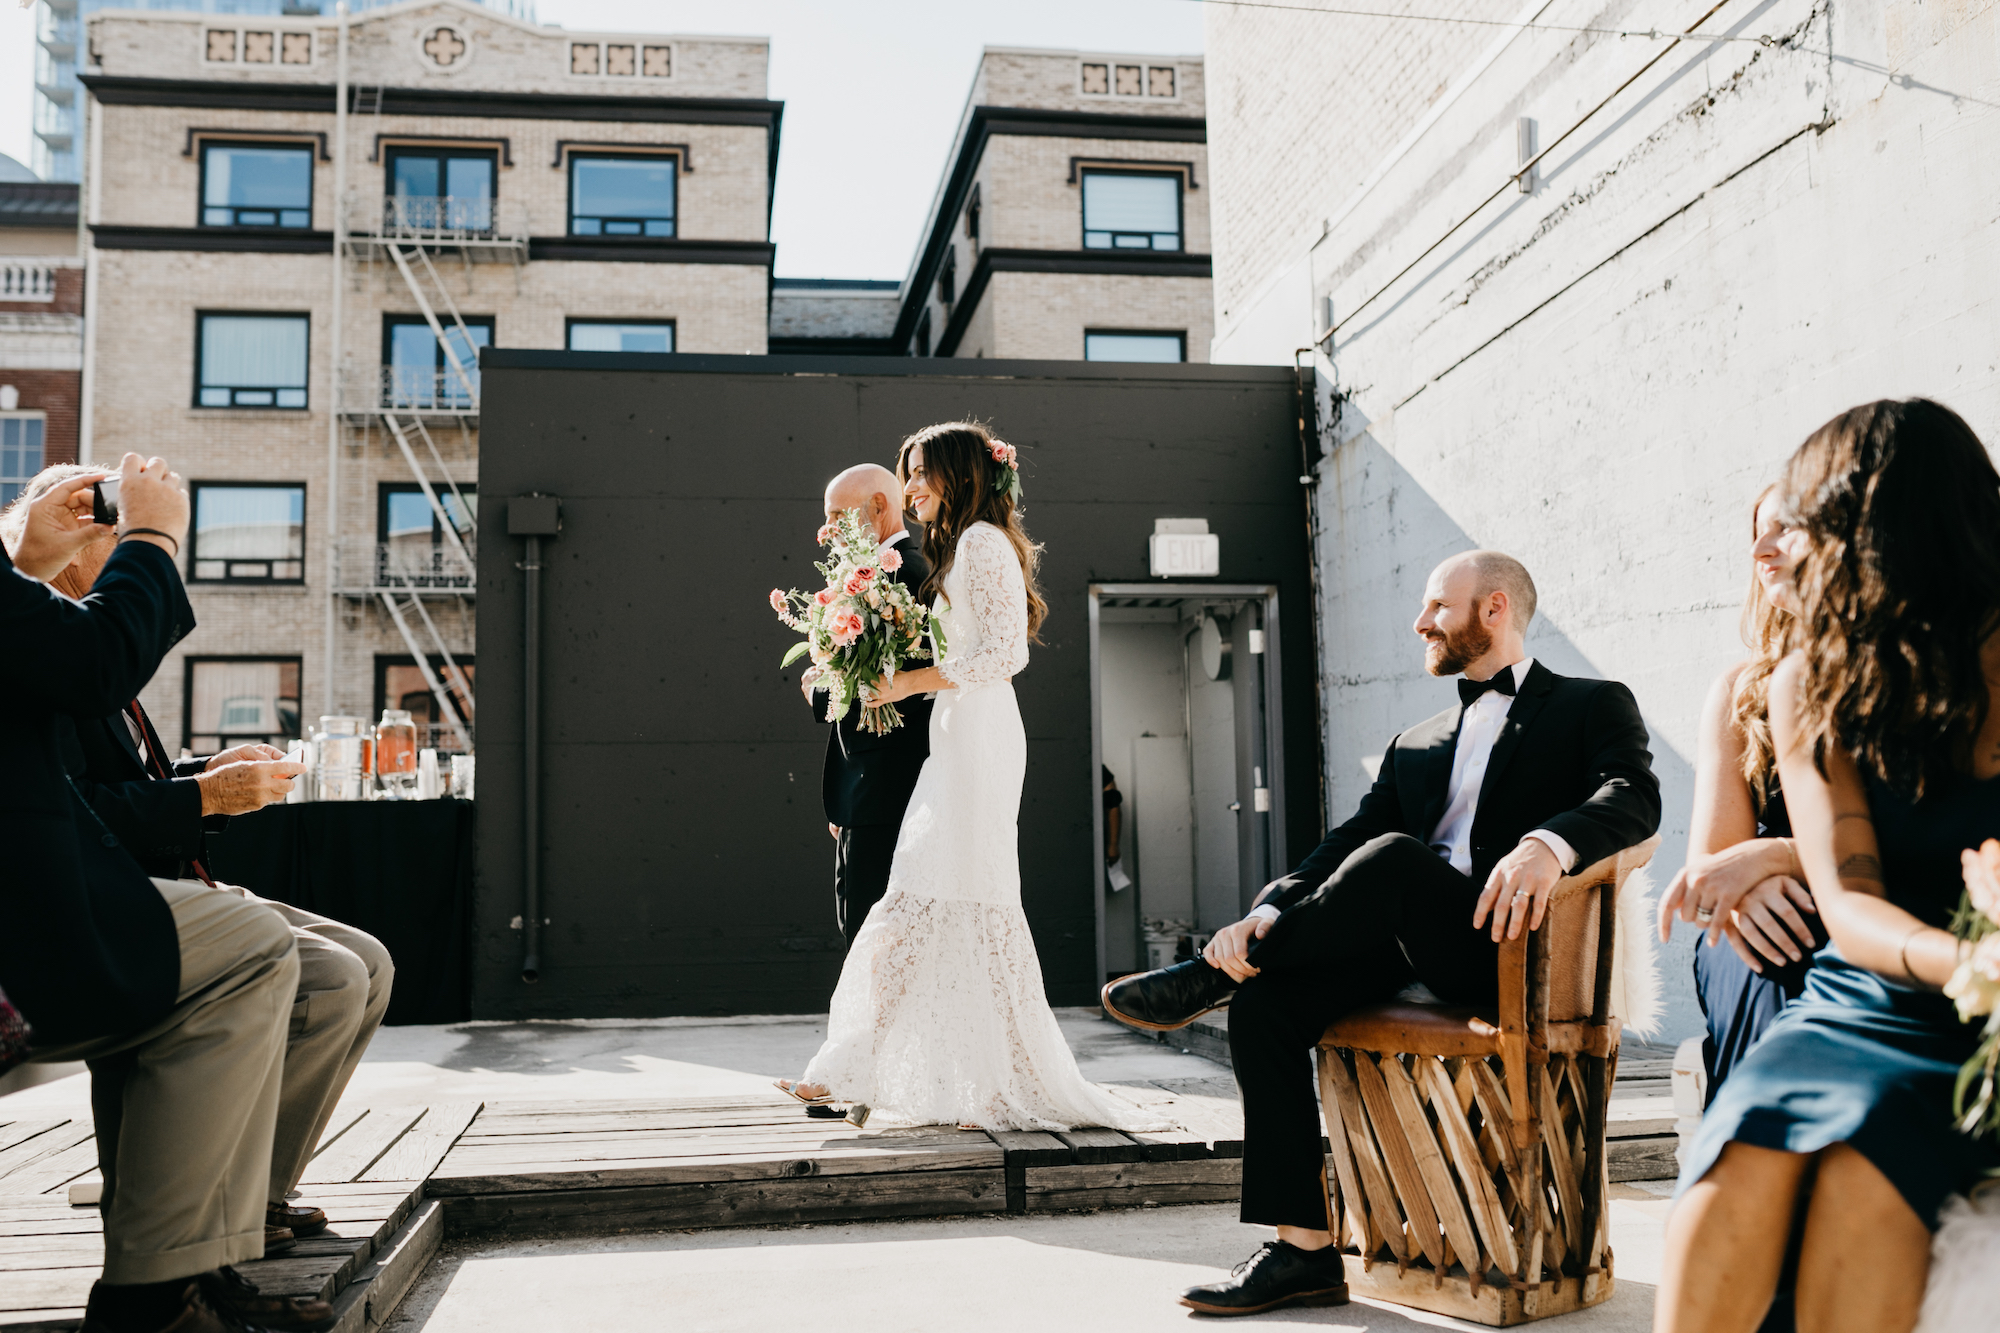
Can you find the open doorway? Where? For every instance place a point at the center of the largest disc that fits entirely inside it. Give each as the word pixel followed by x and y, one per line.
pixel 1187 744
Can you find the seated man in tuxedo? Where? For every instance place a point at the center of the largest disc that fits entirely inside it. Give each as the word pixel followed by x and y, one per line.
pixel 867 780
pixel 161 809
pixel 1474 817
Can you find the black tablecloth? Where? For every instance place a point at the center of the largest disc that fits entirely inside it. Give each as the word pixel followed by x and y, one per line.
pixel 400 870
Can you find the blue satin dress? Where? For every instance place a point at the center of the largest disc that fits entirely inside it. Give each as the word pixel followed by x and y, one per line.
pixel 1740 1005
pixel 1861 1060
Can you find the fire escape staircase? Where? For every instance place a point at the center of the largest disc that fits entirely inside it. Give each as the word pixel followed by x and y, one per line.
pixel 407 234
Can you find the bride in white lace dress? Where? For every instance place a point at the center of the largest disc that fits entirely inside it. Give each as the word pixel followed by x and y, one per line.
pixel 940 1016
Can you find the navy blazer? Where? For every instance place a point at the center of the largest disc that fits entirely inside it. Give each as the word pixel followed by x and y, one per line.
pixel 867 779
pixel 159 820
pixel 88 947
pixel 1570 758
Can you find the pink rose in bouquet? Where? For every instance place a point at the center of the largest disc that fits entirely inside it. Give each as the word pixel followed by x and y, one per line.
pixel 859 628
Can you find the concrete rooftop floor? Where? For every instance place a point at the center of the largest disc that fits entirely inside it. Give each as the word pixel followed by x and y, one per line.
pixel 1061 1273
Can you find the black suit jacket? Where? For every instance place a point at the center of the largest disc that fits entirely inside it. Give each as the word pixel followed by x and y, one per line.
pixel 88 947
pixel 1570 758
pixel 868 779
pixel 159 820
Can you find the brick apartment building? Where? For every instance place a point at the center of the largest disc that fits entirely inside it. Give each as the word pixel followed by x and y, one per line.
pixel 308 361
pixel 1072 220
pixel 41 328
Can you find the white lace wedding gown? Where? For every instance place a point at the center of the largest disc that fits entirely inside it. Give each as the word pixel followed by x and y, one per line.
pixel 940 1016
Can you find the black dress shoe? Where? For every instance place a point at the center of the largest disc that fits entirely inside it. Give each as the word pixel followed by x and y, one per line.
pixel 1169 998
pixel 1278 1274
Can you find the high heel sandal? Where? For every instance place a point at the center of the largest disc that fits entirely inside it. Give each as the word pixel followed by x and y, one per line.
pixel 791 1089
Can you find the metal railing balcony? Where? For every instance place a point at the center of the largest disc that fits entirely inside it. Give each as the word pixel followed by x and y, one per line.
pixel 28 279
pixel 470 223
pixel 363 569
pixel 443 393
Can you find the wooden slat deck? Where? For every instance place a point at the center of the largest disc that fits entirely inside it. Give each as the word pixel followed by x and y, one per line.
pixel 51 1252
pixel 393 1178
pixel 758 1160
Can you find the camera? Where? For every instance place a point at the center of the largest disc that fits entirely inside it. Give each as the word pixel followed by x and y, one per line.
pixel 104 501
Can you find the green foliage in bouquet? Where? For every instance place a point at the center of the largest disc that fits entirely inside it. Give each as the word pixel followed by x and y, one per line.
pixel 862 626
pixel 1975 987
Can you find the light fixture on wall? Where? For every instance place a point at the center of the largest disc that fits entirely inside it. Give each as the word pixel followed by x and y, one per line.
pixel 1524 148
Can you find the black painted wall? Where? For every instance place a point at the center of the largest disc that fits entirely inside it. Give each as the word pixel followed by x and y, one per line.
pixel 686 863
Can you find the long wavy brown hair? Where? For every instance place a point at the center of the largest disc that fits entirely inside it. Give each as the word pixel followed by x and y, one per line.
pixel 1900 589
pixel 959 467
pixel 1768 633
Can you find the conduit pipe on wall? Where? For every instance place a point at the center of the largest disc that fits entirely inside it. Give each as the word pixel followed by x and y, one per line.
pixel 1520 173
pixel 532 517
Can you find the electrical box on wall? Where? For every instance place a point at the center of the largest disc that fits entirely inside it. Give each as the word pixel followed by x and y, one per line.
pixel 1183 548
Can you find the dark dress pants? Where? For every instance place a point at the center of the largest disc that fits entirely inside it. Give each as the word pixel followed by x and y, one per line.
pixel 1395 912
pixel 861 860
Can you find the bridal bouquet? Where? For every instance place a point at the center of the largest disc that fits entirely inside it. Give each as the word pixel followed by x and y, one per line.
pixel 862 626
pixel 1976 987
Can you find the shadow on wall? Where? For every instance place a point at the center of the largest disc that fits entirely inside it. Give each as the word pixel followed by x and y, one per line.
pixel 1382 534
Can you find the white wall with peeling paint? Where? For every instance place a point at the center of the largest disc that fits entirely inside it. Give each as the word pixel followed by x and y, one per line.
pixel 1599 376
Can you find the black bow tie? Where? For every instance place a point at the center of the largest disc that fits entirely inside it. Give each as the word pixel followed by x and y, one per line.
pixel 1470 690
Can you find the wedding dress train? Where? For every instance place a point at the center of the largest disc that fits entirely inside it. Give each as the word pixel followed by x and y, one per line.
pixel 940 1016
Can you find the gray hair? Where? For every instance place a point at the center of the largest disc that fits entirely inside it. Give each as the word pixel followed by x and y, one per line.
pixel 14 518
pixel 1498 572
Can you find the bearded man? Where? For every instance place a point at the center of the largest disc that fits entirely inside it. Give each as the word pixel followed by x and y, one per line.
pixel 1474 817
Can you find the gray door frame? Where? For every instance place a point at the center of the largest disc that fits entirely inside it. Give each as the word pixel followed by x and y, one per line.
pixel 1274 728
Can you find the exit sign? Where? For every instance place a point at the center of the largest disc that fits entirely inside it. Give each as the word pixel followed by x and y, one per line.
pixel 1185 555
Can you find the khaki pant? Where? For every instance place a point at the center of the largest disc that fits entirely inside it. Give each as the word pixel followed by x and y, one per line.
pixel 344 979
pixel 186 1109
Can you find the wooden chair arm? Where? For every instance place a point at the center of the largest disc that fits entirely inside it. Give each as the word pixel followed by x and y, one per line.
pixel 1523 979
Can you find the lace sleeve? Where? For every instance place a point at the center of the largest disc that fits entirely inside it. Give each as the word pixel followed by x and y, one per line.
pixel 997 598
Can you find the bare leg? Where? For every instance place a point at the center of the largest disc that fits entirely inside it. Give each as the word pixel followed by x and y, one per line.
pixel 1299 1238
pixel 1865 1255
pixel 1726 1243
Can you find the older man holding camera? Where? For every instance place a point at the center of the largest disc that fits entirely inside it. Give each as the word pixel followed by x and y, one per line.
pixel 163 809
pixel 179 997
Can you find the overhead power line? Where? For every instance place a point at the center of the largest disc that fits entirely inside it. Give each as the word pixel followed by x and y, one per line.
pixel 1649 34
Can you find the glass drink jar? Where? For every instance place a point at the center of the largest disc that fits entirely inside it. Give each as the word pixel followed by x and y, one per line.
pixel 396 755
pixel 340 765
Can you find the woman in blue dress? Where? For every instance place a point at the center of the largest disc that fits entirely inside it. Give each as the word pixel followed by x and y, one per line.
pixel 1742 882
pixel 1887 734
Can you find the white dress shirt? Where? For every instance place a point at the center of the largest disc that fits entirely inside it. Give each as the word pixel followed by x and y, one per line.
pixel 1478 729
pixel 898 535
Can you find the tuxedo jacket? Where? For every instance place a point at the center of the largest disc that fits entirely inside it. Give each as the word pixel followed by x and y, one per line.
pixel 868 779
pixel 88 947
pixel 158 819
pixel 1570 758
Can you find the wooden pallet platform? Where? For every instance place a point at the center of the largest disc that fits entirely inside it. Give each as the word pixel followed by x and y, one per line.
pixel 758 1160
pixel 368 1174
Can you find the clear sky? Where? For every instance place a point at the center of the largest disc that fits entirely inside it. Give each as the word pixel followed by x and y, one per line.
pixel 872 91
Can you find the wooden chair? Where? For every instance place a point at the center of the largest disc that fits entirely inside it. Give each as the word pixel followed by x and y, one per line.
pixel 1468 1146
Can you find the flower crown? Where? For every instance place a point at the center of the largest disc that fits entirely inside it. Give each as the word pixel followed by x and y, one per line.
pixel 1008 478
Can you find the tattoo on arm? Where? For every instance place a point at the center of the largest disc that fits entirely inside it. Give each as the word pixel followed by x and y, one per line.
pixel 1860 866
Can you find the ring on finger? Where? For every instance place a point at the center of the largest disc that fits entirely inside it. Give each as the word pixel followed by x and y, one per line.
pixel 1704 915
pixel 1523 896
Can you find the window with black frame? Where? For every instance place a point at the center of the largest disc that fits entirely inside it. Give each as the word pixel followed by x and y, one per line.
pixel 251 359
pixel 626 335
pixel 622 196
pixel 420 374
pixel 441 189
pixel 399 683
pixel 1131 210
pixel 248 532
pixel 21 436
pixel 1133 345
pixel 231 701
pixel 256 185
pixel 410 539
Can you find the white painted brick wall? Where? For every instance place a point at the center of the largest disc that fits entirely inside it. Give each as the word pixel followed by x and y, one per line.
pixel 1601 376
